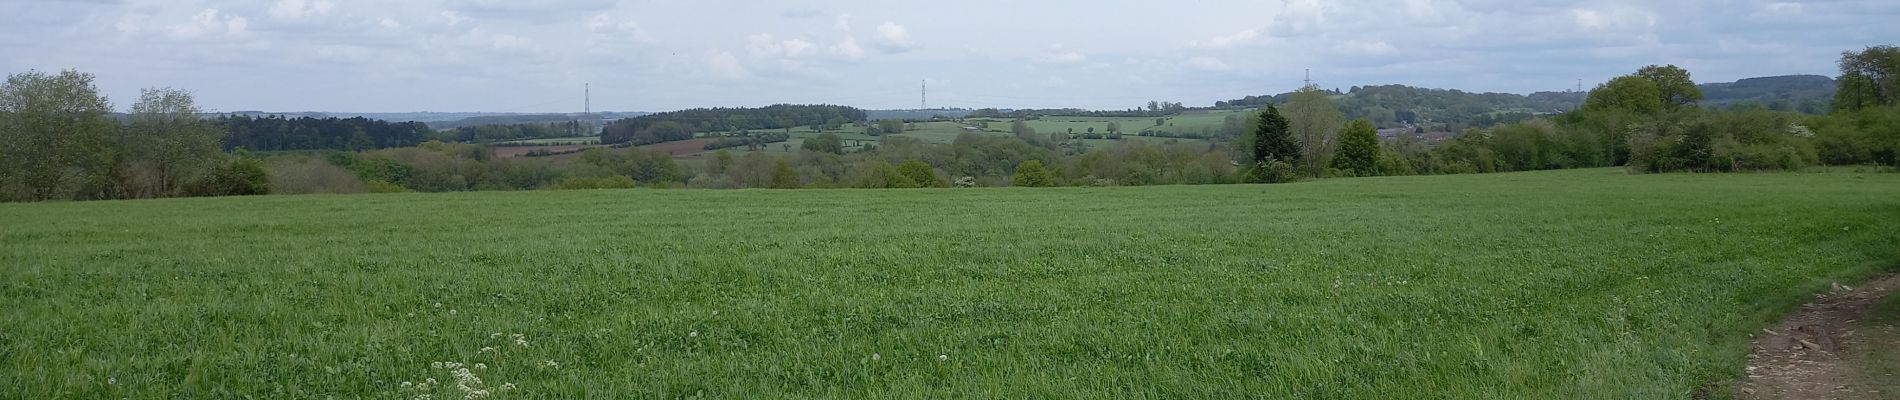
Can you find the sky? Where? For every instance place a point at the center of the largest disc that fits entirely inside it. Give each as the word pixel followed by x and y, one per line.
pixel 652 55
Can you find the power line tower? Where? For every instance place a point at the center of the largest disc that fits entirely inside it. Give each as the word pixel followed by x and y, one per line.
pixel 924 102
pixel 587 105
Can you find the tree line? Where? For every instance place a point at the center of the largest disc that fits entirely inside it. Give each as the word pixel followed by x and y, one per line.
pixel 717 120
pixel 277 133
pixel 60 143
pixel 57 142
pixel 500 133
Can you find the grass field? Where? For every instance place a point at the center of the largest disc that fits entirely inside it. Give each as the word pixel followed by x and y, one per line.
pixel 1570 284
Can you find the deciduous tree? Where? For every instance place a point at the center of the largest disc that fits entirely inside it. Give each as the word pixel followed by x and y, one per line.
pixel 1358 149
pixel 54 136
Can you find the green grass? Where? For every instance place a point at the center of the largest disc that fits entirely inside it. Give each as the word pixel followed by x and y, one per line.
pixel 1571 284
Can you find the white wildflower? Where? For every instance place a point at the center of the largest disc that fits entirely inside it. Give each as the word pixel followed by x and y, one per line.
pixel 550 364
pixel 507 387
pixel 436 365
pixel 692 334
pixel 494 335
pixel 438 304
pixel 451 311
pixel 112 380
pixel 486 349
pixel 943 357
pixel 407 384
pixel 875 357
pixel 481 366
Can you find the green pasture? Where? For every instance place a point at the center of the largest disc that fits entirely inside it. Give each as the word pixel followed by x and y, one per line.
pixel 1580 284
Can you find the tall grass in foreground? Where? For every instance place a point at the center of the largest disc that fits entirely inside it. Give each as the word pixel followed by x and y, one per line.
pixel 1567 284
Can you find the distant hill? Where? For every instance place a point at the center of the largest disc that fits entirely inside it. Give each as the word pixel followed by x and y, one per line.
pixel 1811 94
pixel 516 119
pixel 439 120
pixel 1400 105
pixel 917 114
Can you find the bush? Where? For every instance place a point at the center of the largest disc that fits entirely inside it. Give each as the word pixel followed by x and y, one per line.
pixel 920 173
pixel 241 176
pixel 1031 174
pixel 581 183
pixel 1270 171
pixel 303 175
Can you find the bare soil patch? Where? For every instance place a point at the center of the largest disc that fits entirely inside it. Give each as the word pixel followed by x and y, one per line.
pixel 679 148
pixel 509 152
pixel 1841 346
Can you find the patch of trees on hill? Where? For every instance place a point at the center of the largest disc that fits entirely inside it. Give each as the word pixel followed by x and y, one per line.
pixel 277 133
pixel 495 133
pixel 782 116
pixel 1808 94
pixel 1154 109
pixel 524 119
pixel 1389 106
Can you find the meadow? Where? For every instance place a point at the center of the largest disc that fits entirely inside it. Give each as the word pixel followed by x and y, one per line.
pixel 1563 284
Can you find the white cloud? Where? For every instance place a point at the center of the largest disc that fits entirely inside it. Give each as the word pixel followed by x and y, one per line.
pixel 299 9
pixel 1370 48
pixel 842 23
pixel 893 38
pixel 848 48
pixel 766 46
pixel 390 24
pixel 209 22
pixel 452 18
pixel 1588 18
pixel 509 42
pixel 1057 54
pixel 1242 37
pixel 1208 64
pixel 726 66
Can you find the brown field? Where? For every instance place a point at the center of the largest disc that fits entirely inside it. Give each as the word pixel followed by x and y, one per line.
pixel 683 148
pixel 511 152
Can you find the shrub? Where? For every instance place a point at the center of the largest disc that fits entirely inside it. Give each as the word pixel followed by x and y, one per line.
pixel 303 175
pixel 582 183
pixel 241 176
pixel 1030 173
pixel 920 173
pixel 1270 171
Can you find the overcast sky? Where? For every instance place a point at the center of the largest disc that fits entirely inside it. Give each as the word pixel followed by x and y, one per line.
pixel 535 55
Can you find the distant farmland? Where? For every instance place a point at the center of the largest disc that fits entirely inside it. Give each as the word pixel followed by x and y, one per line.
pixel 1568 284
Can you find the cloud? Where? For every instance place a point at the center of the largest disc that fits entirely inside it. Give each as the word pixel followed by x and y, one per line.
pixel 1059 55
pixel 299 9
pixel 843 22
pixel 847 48
pixel 506 41
pixel 766 46
pixel 724 65
pixel 390 24
pixel 1238 38
pixel 452 18
pixel 1206 63
pixel 207 23
pixel 893 38
pixel 1369 48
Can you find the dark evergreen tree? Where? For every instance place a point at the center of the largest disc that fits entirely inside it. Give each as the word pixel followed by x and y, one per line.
pixel 1273 138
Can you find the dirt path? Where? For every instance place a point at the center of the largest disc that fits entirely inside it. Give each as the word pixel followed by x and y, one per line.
pixel 1841 346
